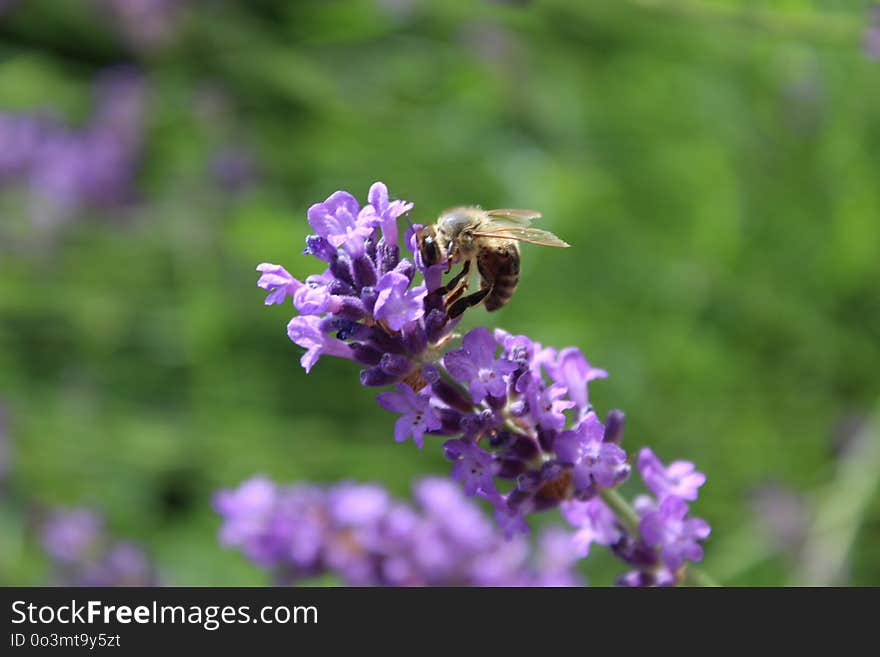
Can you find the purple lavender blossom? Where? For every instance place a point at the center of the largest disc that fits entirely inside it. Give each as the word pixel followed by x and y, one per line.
pixel 417 415
pixel 306 332
pixel 339 220
pixel 476 366
pixel 572 370
pixel 546 403
pixel 364 537
pixel 83 554
pixel 278 281
pixel 670 529
pixel 397 305
pixel 593 460
pixel 594 521
pixel 643 578
pixel 385 213
pixel 314 297
pixel 679 478
pixel 473 467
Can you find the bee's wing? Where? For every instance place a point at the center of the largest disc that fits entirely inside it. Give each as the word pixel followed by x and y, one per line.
pixel 513 216
pixel 522 234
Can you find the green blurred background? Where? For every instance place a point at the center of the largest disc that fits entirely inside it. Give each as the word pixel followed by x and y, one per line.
pixel 715 165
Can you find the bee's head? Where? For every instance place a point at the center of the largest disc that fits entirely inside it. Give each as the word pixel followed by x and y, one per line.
pixel 429 247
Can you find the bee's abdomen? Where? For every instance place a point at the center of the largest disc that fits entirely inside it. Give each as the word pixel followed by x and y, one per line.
pixel 499 268
pixel 501 292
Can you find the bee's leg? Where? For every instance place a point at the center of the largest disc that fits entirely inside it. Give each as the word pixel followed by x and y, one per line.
pixel 465 270
pixel 456 293
pixel 469 301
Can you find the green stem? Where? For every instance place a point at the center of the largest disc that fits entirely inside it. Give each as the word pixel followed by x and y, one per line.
pixel 622 509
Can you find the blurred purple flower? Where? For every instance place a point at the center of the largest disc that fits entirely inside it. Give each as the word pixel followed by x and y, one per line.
pixel 642 578
pixel 677 535
pixel 360 534
pixel 594 521
pixel 679 478
pixel 68 169
pixel 85 555
pixel 782 515
pixel 72 535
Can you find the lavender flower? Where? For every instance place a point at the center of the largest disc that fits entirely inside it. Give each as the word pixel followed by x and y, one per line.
pixel 595 523
pixel 511 409
pixel 385 213
pixel 306 331
pixel 476 366
pixel 278 281
pixel 670 529
pixel 397 305
pixel 83 554
pixel 65 169
pixel 594 461
pixel 572 371
pixel 417 415
pixel 679 479
pixel 359 533
pixel 473 467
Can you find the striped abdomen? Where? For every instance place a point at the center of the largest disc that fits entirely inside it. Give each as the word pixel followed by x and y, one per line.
pixel 499 268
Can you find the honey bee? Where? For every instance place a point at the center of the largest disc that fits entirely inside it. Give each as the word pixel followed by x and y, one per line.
pixel 488 239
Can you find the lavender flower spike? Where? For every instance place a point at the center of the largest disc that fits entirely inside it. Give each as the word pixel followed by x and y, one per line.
pixel 361 535
pixel 514 410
